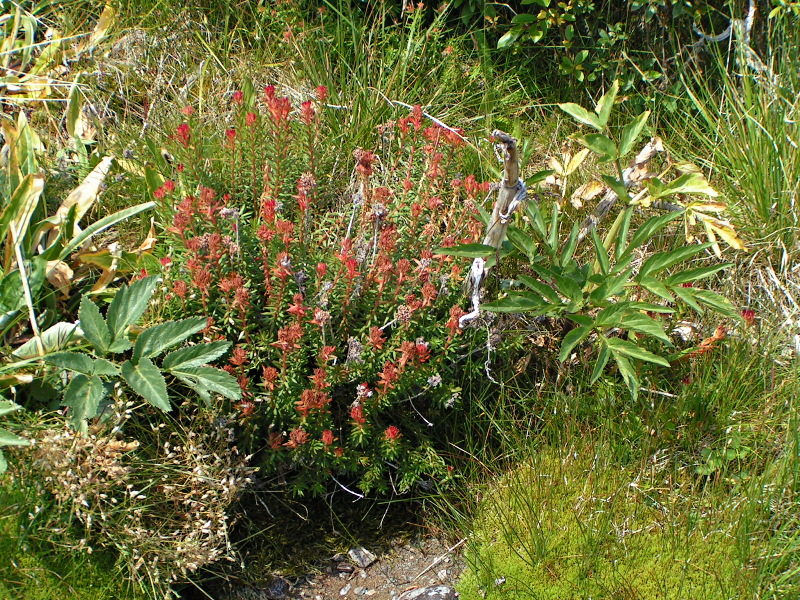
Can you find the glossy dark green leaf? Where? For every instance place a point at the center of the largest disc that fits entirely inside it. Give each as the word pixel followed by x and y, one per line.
pixel 129 305
pixel 572 339
pixel 515 302
pixel 631 132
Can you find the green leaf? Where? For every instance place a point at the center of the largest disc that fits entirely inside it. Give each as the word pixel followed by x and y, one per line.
pixel 611 287
pixel 524 19
pixel 572 339
pixel 146 380
pixel 612 315
pixel 208 379
pixel 628 374
pixel 713 300
pixel 105 367
pixel 536 219
pixel 53 338
pixel 154 340
pixel 73 111
pixel 601 253
pixel 602 360
pixel 663 260
pixel 654 286
pixel 650 227
pixel 94 326
pixel 629 349
pixel 572 243
pixel 467 250
pixel 538 177
pixel 692 275
pixel 82 397
pixel 600 144
pixel 685 295
pixel 580 114
pixel 552 234
pixel 73 361
pixel 21 206
pixel 128 305
pixel 509 38
pixel 8 407
pixel 9 439
pixel 3 464
pixel 606 103
pixel 522 241
pixel 515 302
pixel 102 225
pixel 544 290
pixel 622 236
pixel 641 323
pixel 194 356
pixel 618 188
pixel 631 133
pixel 688 183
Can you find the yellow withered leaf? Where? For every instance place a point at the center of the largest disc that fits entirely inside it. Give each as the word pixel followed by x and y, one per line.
pixel 588 191
pixel 723 229
pixel 576 161
pixel 555 165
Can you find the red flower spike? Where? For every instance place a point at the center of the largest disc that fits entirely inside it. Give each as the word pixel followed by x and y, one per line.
pixel 392 434
pixel 327 438
pixel 749 316
pixel 322 93
pixel 238 97
pixel 183 134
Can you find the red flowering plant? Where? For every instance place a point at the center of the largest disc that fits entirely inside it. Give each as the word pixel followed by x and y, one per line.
pixel 344 322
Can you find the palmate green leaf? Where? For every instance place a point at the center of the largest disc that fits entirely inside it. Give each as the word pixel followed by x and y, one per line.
pixel 602 360
pixel 581 115
pixel 154 340
pixel 467 250
pixel 515 302
pixel 146 380
pixel 606 103
pixel 194 356
pixel 601 145
pixel 82 397
pixel 128 306
pixel 572 339
pixel 631 132
pixel 631 350
pixel 664 260
pixel 94 326
pixel 208 379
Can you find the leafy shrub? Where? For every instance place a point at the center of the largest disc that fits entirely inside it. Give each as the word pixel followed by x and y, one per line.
pixel 615 295
pixel 344 322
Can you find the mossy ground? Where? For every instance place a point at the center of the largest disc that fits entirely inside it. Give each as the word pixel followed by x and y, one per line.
pixel 573 524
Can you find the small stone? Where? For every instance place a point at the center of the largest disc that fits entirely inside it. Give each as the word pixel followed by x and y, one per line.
pixel 344 591
pixel 370 592
pixel 363 574
pixel 362 557
pixel 359 591
pixel 442 574
pixel 433 592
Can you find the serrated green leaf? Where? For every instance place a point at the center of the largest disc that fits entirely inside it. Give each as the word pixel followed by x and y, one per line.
pixel 631 132
pixel 195 356
pixel 54 338
pixel 94 326
pixel 600 144
pixel 154 340
pixel 146 380
pixel 572 339
pixel 82 397
pixel 606 103
pixel 580 114
pixel 105 367
pixel 629 349
pixel 467 250
pixel 73 361
pixel 600 363
pixel 129 305
pixel 210 379
pixel 664 260
pixel 515 302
